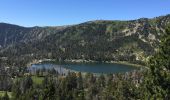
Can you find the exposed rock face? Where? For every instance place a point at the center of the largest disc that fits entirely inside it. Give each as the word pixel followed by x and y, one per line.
pixel 96 40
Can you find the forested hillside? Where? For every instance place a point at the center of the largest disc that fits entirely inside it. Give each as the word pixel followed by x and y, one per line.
pixel 131 41
pixel 101 40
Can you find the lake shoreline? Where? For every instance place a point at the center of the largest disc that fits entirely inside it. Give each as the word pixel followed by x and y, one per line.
pixel 109 62
pixel 125 63
pixel 82 62
pixel 85 61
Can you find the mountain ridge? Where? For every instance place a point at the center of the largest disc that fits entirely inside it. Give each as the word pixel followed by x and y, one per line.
pixel 99 40
pixel 84 22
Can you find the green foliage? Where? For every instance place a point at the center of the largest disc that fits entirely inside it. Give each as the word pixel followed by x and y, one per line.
pixel 5 97
pixel 37 80
pixel 158 79
pixel 76 86
pixel 99 41
pixel 96 40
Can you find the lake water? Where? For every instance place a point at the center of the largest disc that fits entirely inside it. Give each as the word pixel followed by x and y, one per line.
pixel 84 67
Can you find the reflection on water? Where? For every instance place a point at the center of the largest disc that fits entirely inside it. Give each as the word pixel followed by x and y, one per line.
pixel 59 68
pixel 64 68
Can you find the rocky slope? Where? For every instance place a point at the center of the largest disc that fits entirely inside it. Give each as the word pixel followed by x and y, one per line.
pixel 99 40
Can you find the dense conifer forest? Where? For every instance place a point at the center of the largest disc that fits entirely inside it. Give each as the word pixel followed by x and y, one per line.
pixel 101 40
pixel 98 41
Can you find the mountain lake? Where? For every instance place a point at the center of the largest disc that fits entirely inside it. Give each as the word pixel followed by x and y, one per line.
pixel 98 68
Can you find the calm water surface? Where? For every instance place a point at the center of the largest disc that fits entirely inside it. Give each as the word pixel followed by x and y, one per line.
pixel 85 67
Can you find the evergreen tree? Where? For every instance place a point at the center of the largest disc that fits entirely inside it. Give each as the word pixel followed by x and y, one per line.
pixel 16 92
pixel 27 83
pixel 79 81
pixel 158 80
pixel 101 81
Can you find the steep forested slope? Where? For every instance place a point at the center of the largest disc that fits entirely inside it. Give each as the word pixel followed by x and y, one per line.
pixel 96 40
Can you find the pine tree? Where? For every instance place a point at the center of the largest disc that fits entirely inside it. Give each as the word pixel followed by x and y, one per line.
pixel 79 81
pixel 16 92
pixel 158 80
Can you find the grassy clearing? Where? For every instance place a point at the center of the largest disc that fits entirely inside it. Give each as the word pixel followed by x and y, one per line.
pixel 3 92
pixel 37 80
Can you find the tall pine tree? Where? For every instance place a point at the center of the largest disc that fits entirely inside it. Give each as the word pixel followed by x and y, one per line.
pixel 158 79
